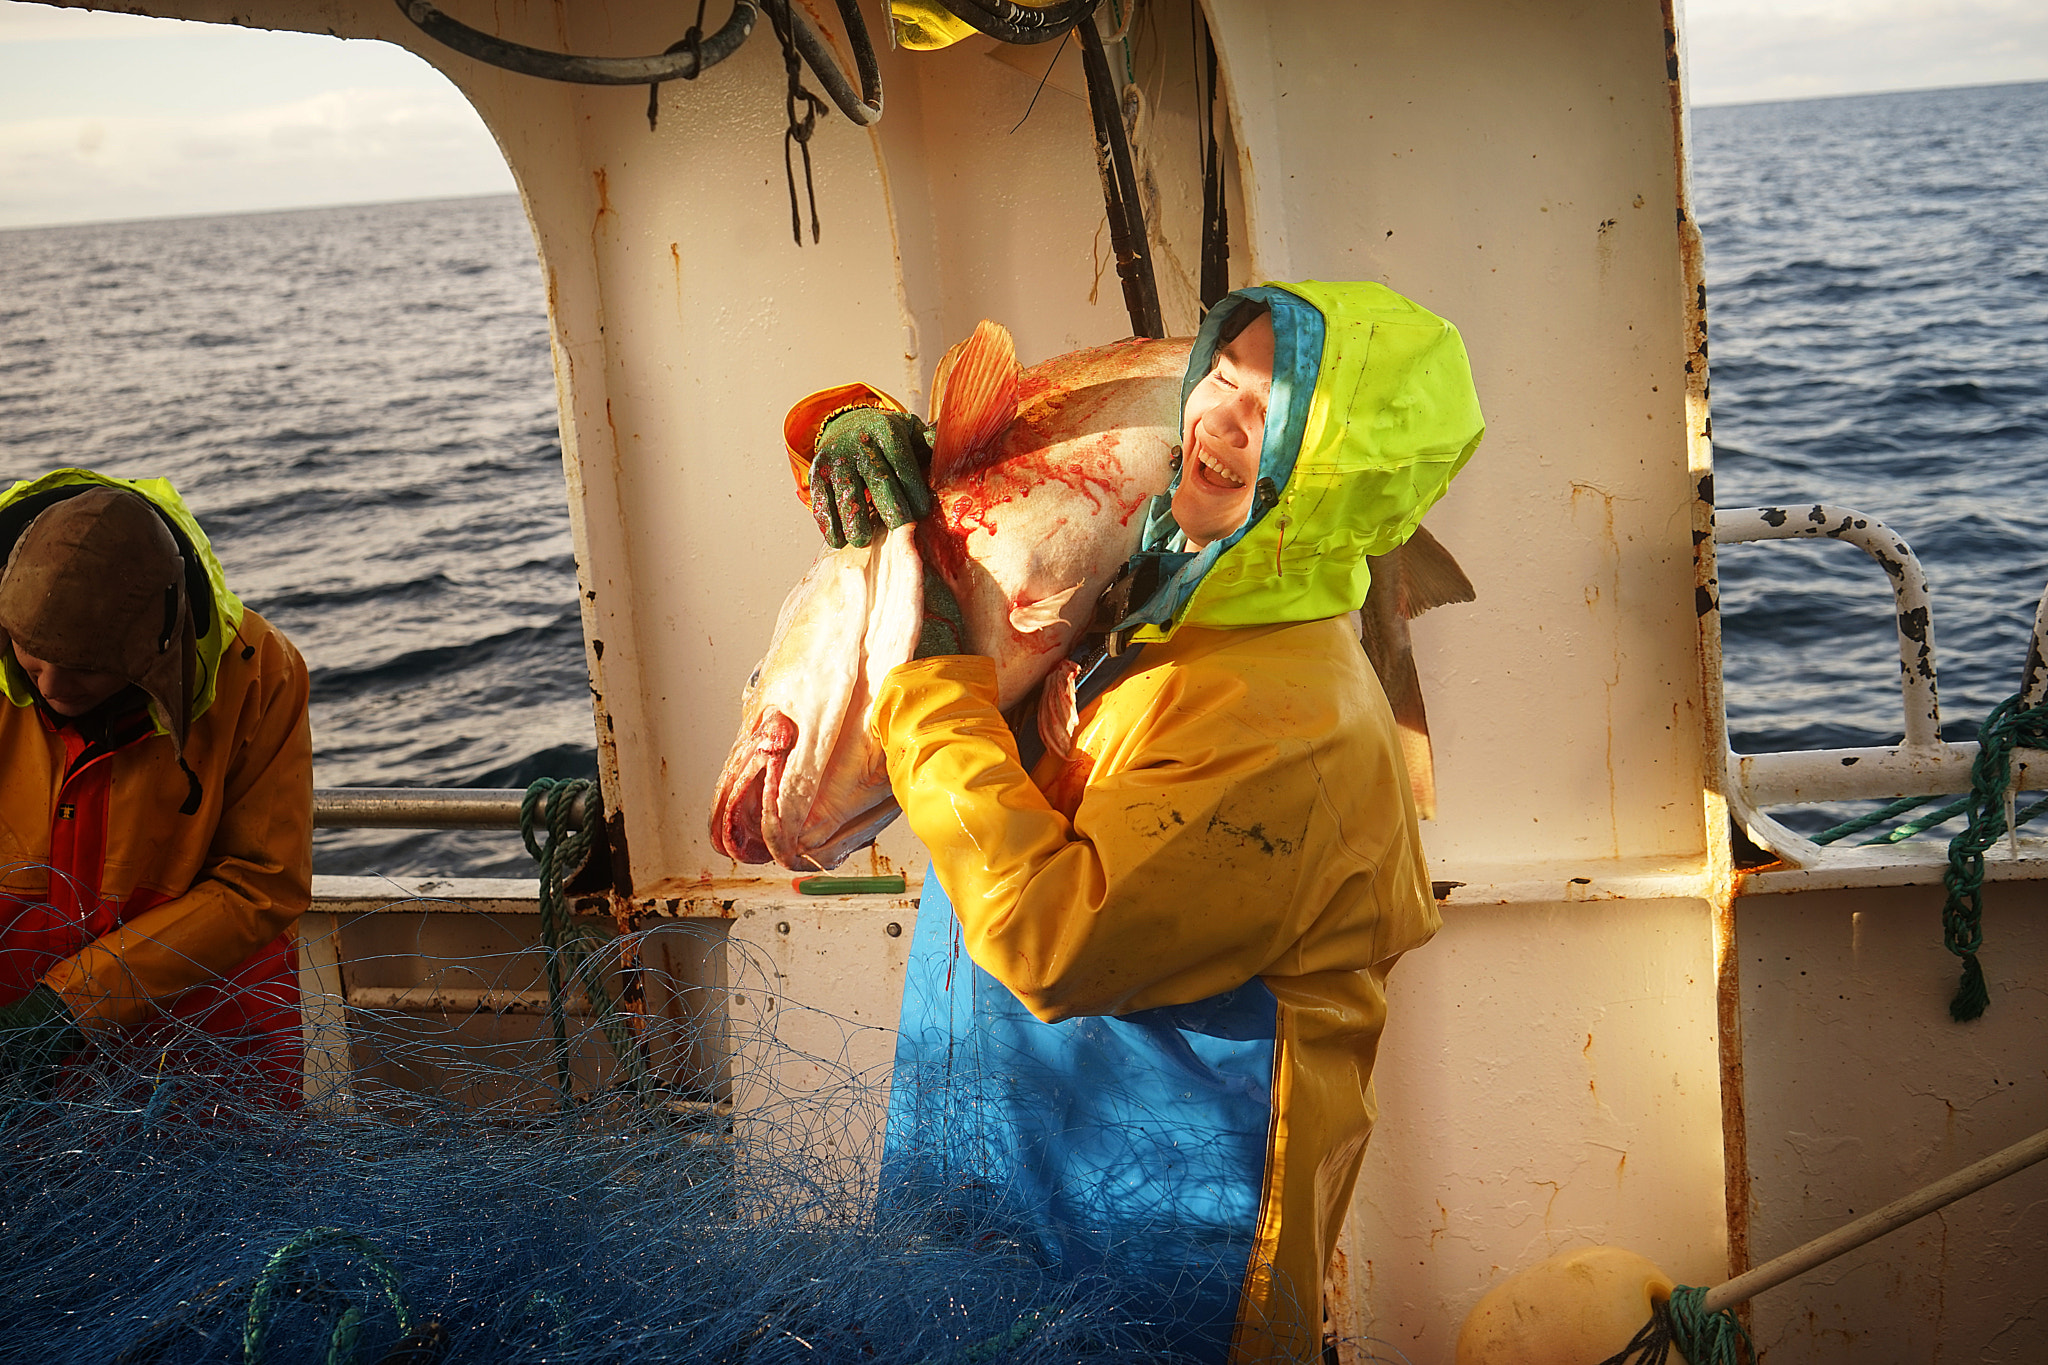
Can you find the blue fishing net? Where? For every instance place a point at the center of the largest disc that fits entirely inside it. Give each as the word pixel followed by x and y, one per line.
pixel 432 1193
pixel 437 1197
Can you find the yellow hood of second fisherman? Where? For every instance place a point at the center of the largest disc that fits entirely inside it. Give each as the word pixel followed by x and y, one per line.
pixel 216 612
pixel 1373 411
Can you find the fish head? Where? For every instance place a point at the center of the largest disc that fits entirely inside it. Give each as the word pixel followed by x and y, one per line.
pixel 804 785
pixel 1039 480
pixel 1029 528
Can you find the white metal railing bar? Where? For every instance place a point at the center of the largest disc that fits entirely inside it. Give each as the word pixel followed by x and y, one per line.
pixel 1922 764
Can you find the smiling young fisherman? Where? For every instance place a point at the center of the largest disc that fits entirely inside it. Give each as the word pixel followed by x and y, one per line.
pixel 156 795
pixel 1148 981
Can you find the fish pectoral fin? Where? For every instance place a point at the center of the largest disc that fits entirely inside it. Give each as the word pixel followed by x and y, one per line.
pixel 1059 714
pixel 1043 614
pixel 974 397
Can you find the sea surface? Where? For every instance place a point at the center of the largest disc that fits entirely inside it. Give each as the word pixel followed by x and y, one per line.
pixel 358 402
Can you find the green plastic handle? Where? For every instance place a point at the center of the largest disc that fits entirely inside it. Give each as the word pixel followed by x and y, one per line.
pixel 893 884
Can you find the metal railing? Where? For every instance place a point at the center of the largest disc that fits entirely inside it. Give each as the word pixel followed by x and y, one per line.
pixel 1922 764
pixel 420 808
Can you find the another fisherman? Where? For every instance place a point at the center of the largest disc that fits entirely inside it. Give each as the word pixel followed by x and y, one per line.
pixel 1148 980
pixel 156 802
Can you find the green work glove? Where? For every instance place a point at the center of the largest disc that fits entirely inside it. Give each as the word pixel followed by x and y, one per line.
pixel 37 1033
pixel 945 632
pixel 867 475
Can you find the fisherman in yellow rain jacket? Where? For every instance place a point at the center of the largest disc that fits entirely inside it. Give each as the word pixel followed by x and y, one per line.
pixel 156 799
pixel 1148 980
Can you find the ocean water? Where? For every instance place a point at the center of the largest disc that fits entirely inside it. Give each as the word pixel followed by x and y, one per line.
pixel 358 402
pixel 1877 274
pixel 359 405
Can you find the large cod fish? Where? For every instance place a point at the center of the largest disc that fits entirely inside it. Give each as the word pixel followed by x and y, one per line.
pixel 1039 478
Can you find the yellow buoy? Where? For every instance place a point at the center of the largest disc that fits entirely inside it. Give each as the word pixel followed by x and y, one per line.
pixel 1577 1308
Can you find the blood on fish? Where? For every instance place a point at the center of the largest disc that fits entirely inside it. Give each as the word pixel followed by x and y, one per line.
pixel 943 546
pixel 777 733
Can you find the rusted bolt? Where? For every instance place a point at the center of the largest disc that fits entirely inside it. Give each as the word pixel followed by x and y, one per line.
pixel 894 930
pixel 783 927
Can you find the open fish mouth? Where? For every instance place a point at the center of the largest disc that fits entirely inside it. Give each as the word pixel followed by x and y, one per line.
pixel 757 818
pixel 740 811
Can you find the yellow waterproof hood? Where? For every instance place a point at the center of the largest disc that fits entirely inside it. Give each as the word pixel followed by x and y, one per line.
pixel 216 612
pixel 1373 411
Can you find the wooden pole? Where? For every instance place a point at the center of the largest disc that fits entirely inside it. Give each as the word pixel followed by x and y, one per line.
pixel 1872 1226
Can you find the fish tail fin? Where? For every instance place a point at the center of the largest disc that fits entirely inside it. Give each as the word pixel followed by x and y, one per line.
pixel 974 397
pixel 1429 576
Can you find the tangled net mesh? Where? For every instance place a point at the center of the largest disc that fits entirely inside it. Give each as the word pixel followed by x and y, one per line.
pixel 436 1196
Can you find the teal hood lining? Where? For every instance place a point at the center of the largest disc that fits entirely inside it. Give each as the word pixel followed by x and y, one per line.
pixel 1298 332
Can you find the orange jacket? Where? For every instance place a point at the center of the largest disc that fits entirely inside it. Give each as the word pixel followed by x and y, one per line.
pixel 155 902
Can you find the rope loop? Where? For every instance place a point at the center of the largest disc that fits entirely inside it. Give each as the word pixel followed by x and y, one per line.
pixel 341 1344
pixel 799 127
pixel 572 951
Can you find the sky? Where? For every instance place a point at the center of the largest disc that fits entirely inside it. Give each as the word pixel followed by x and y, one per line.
pixel 110 116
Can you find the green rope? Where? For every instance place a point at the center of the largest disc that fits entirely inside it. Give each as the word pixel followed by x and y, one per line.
pixel 341 1344
pixel 1869 818
pixel 1706 1338
pixel 2011 725
pixel 1683 1324
pixel 572 949
pixel 1922 824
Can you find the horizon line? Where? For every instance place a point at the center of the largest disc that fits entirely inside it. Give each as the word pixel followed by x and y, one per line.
pixel 204 214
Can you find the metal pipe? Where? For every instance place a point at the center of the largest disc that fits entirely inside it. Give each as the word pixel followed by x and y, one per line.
pixel 1802 775
pixel 421 808
pixel 1909 591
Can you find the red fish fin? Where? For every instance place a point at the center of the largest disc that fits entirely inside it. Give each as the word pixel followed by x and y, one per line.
pixel 974 397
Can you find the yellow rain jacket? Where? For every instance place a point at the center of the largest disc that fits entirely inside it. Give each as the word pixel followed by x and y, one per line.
pixel 1209 894
pixel 128 907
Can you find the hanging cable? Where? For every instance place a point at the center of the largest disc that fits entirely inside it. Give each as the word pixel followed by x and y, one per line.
pixel 683 61
pixel 1127 234
pixel 1215 210
pixel 1023 24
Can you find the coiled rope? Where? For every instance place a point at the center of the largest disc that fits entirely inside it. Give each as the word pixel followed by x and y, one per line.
pixel 572 947
pixel 1683 1324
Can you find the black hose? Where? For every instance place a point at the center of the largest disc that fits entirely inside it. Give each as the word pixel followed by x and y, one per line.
pixel 1127 236
pixel 558 66
pixel 1023 24
pixel 864 108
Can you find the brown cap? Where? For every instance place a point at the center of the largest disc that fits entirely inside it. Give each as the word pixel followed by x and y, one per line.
pixel 96 583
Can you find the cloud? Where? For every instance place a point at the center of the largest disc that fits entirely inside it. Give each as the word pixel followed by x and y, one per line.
pixel 1745 50
pixel 336 147
pixel 45 23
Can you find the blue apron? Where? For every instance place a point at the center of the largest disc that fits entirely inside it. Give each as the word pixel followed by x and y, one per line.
pixel 1131 1149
